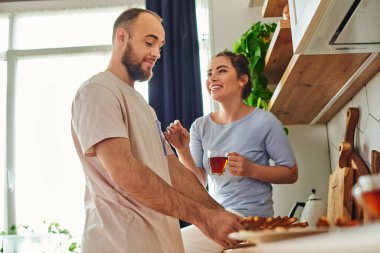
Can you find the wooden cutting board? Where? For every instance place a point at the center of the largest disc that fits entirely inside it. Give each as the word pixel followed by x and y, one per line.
pixel 348 156
pixel 375 161
pixel 340 198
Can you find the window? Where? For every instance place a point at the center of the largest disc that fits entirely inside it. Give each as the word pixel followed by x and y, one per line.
pixel 4 34
pixel 202 12
pixel 3 92
pixel 203 17
pixel 48 174
pixel 54 52
pixel 4 24
pixel 64 29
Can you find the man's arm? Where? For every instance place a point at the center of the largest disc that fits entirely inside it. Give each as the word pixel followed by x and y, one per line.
pixel 188 184
pixel 140 182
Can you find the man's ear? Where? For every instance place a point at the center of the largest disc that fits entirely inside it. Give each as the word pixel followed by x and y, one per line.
pixel 121 37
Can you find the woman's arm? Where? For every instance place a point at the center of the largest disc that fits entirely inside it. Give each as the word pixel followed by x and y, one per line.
pixel 240 166
pixel 187 160
pixel 179 138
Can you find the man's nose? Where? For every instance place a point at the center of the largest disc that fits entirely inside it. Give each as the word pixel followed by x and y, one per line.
pixel 156 53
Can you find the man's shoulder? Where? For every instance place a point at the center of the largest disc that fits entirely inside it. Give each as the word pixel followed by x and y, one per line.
pixel 100 82
pixel 100 78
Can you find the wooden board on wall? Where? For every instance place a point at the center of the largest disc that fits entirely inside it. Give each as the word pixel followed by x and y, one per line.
pixel 340 198
pixel 308 84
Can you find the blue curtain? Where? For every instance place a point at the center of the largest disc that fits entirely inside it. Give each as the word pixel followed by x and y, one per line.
pixel 175 89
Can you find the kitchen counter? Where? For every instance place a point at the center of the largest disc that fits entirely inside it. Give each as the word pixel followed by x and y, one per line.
pixel 364 239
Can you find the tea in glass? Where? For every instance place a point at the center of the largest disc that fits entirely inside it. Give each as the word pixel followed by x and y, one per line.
pixel 217 161
pixel 367 193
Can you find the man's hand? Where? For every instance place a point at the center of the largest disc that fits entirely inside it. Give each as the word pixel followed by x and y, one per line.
pixel 218 224
pixel 177 135
pixel 238 165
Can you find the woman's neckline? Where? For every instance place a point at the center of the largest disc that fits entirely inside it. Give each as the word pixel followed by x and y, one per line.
pixel 235 121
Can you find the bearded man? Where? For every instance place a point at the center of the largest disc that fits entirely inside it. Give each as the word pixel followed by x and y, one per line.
pixel 136 188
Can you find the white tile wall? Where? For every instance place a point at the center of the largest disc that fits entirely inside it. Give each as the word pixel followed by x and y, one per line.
pixel 360 101
pixel 367 134
pixel 373 93
pixel 371 138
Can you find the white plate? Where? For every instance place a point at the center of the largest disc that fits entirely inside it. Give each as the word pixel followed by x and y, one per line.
pixel 275 235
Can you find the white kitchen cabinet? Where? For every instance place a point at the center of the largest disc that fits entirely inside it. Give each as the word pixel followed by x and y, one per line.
pixel 301 17
pixel 334 26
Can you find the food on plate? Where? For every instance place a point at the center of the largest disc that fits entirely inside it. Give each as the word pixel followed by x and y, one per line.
pixel 253 223
pixel 323 222
pixel 340 222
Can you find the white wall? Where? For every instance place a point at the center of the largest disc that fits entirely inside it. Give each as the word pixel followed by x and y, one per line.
pixel 310 147
pixel 230 19
pixel 367 134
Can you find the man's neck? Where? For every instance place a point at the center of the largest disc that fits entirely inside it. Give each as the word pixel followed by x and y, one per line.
pixel 119 70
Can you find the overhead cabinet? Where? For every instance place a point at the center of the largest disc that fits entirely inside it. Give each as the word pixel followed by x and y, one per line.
pixel 335 26
pixel 311 88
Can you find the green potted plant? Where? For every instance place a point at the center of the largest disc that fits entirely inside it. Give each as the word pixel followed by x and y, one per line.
pixel 56 237
pixel 254 45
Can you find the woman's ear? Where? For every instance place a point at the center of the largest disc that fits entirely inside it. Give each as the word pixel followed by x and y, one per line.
pixel 243 80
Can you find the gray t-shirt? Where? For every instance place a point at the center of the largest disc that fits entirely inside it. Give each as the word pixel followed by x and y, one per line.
pixel 106 107
pixel 259 136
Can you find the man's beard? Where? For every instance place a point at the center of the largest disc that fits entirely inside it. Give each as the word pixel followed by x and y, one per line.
pixel 133 66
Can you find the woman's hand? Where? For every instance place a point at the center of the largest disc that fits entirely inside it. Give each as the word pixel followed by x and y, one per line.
pixel 238 165
pixel 177 135
pixel 277 174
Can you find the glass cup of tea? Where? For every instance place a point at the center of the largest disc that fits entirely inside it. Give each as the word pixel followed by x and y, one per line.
pixel 217 161
pixel 367 193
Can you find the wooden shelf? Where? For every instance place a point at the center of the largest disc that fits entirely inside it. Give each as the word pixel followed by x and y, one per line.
pixel 362 80
pixel 311 81
pixel 273 8
pixel 279 53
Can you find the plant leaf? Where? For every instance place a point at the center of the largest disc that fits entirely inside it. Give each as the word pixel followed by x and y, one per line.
pixel 237 46
pixel 73 246
pixel 254 44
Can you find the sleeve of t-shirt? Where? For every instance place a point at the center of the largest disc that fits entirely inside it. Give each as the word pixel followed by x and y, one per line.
pixel 96 116
pixel 196 148
pixel 276 142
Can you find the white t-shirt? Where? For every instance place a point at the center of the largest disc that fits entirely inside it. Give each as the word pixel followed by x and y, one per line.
pixel 106 107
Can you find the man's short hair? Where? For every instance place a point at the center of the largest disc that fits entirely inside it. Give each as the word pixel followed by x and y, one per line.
pixel 127 19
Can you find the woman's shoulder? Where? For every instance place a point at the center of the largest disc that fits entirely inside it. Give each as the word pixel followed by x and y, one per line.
pixel 201 121
pixel 265 115
pixel 200 124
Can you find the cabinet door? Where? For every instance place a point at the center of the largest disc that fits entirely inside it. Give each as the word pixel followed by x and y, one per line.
pixel 302 20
